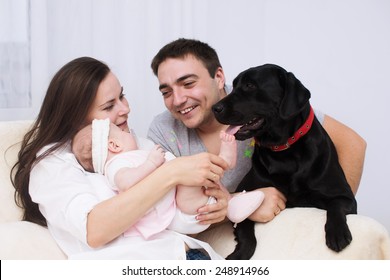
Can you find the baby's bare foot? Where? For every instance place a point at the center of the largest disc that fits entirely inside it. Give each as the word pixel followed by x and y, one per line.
pixel 228 149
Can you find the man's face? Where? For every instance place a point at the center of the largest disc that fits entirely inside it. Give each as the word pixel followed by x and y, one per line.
pixel 189 91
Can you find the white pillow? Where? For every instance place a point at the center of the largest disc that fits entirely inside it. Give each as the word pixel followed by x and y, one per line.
pixel 298 233
pixel 27 241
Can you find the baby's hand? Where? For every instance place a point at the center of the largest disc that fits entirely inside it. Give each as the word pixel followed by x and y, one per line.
pixel 156 155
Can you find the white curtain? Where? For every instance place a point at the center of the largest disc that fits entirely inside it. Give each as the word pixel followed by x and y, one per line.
pixel 14 54
pixel 128 33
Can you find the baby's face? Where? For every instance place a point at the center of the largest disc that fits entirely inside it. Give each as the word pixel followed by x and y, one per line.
pixel 126 139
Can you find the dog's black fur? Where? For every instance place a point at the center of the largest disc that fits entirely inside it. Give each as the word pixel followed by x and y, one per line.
pixel 272 104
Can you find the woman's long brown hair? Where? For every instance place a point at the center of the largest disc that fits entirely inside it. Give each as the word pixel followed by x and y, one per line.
pixel 63 112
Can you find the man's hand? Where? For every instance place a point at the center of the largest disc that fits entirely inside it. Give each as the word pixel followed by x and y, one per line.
pixel 214 213
pixel 274 202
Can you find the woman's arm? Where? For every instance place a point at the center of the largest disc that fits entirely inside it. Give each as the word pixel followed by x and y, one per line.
pixel 351 150
pixel 112 217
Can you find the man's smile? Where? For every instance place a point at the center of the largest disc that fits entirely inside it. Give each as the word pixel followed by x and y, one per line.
pixel 187 110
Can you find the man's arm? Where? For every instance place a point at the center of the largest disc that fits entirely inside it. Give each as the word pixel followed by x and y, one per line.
pixel 351 150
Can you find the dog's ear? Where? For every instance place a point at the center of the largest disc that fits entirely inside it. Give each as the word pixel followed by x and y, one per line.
pixel 295 98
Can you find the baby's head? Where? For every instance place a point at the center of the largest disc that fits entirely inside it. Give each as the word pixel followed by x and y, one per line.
pixel 94 144
pixel 82 147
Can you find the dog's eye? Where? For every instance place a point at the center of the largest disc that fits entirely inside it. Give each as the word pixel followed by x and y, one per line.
pixel 250 86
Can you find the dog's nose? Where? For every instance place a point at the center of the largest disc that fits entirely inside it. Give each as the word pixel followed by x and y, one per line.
pixel 217 108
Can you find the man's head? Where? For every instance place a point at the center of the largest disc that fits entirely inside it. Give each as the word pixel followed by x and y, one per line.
pixel 191 81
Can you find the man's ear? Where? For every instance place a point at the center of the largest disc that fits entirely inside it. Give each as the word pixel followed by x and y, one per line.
pixel 114 146
pixel 220 77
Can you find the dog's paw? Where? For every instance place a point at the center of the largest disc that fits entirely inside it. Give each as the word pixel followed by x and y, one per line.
pixel 337 236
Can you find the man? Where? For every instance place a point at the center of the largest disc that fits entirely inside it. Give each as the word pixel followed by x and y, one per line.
pixel 191 80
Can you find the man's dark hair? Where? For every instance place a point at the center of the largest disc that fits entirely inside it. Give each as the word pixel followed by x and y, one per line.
pixel 181 48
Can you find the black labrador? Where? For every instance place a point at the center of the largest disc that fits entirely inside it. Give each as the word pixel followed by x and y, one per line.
pixel 293 152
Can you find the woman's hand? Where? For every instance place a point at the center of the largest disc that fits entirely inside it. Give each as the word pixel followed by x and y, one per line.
pixel 214 213
pixel 274 202
pixel 200 170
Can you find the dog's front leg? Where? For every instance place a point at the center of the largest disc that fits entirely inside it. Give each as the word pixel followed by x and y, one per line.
pixel 338 236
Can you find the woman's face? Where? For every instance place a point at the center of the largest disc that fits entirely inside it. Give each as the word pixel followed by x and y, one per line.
pixel 111 103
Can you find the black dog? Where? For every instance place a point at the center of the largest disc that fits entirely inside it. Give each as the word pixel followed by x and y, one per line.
pixel 293 152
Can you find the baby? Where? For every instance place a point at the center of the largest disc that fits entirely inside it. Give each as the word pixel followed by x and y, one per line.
pixel 104 148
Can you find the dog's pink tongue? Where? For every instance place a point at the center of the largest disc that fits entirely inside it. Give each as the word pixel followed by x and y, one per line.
pixel 233 129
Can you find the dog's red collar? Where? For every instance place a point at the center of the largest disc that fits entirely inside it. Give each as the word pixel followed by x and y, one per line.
pixel 298 134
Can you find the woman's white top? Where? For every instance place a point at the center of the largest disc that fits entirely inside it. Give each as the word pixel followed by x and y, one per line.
pixel 66 194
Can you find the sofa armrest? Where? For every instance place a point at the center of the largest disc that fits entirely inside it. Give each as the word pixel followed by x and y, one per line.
pixel 27 241
pixel 298 233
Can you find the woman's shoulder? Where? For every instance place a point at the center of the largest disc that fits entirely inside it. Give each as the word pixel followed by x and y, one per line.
pixel 60 151
pixel 60 156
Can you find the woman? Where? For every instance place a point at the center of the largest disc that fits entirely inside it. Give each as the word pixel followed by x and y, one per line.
pixel 80 210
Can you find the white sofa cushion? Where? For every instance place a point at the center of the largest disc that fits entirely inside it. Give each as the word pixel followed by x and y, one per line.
pixel 298 233
pixel 25 240
pixel 11 133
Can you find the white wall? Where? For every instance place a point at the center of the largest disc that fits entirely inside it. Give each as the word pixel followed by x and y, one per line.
pixel 338 49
